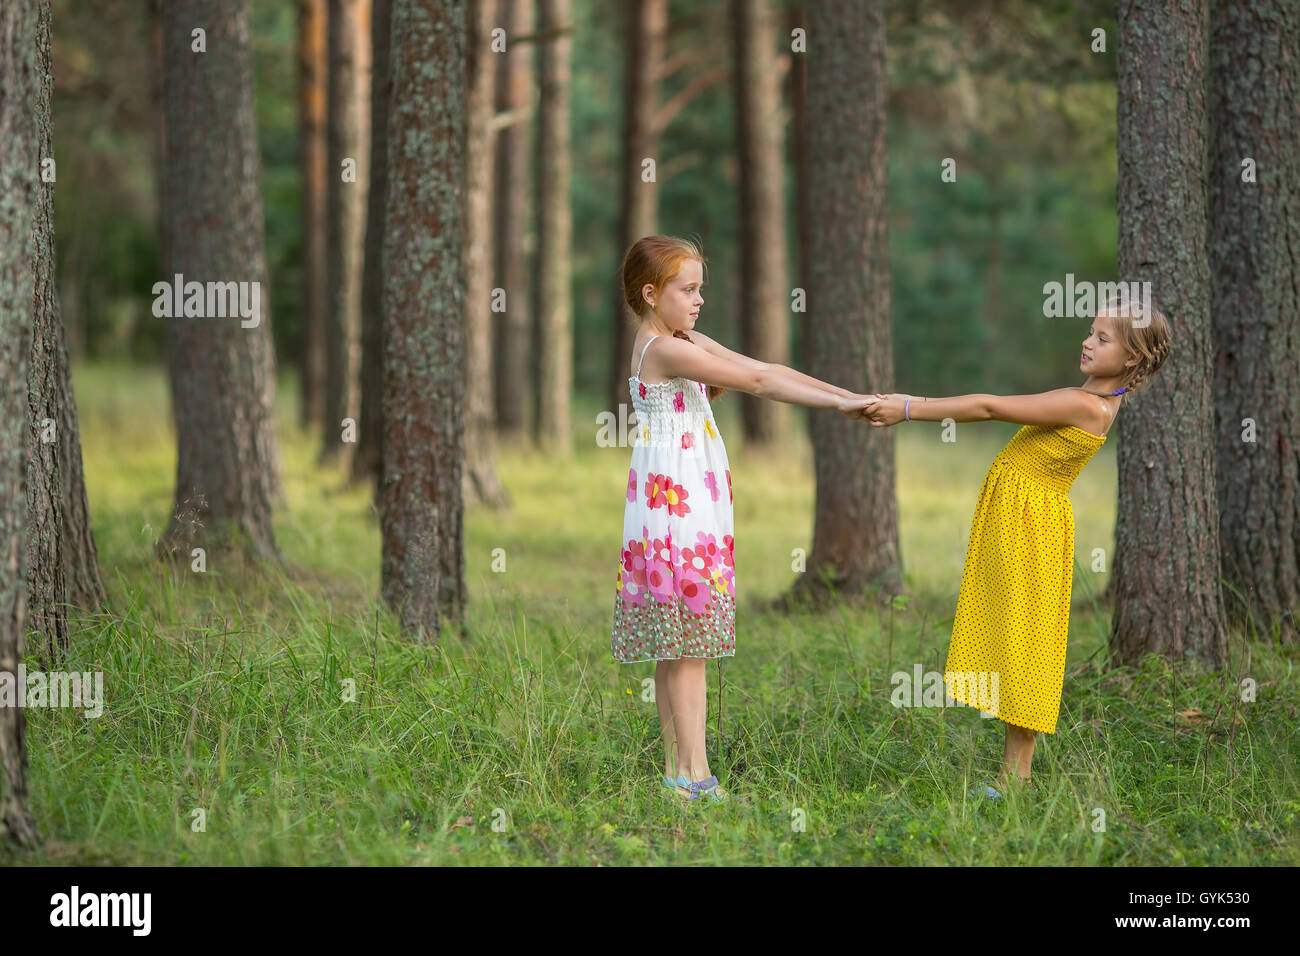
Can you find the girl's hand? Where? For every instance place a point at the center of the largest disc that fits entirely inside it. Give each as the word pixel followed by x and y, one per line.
pixel 886 410
pixel 854 406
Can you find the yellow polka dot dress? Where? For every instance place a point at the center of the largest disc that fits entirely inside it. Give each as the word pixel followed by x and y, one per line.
pixel 1007 653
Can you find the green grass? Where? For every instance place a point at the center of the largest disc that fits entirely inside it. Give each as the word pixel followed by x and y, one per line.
pixel 224 692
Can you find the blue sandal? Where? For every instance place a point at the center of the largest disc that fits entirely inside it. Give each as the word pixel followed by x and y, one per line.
pixel 670 784
pixel 985 790
pixel 708 785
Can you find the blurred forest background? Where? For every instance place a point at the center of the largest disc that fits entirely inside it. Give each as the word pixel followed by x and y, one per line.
pixel 1009 90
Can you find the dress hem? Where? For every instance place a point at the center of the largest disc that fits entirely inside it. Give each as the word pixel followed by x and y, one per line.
pixel 679 657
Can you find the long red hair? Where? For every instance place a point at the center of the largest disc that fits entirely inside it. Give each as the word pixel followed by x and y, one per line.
pixel 656 260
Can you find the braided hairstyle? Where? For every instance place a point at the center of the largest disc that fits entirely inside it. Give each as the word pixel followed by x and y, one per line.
pixel 656 260
pixel 1148 344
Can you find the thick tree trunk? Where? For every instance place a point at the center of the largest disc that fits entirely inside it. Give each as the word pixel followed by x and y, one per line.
pixel 366 462
pixel 513 328
pixel 1166 567
pixel 645 38
pixel 221 371
pixel 855 534
pixel 62 564
pixel 798 18
pixel 424 372
pixel 20 90
pixel 482 483
pixel 555 234
pixel 765 291
pixel 1255 296
pixel 348 135
pixel 313 159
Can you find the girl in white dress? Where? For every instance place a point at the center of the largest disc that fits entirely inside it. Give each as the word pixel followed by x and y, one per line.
pixel 676 592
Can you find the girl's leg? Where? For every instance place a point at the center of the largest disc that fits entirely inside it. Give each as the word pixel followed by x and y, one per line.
pixel 686 688
pixel 1018 752
pixel 664 701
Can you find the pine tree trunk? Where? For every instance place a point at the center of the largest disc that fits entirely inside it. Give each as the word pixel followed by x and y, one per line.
pixel 62 564
pixel 1166 567
pixel 855 532
pixel 313 158
pixel 797 18
pixel 424 372
pixel 645 38
pixel 20 88
pixel 513 328
pixel 221 371
pixel 348 136
pixel 555 233
pixel 1255 288
pixel 765 291
pixel 482 483
pixel 366 462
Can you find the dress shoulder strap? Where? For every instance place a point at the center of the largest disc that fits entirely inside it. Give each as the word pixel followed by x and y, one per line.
pixel 642 362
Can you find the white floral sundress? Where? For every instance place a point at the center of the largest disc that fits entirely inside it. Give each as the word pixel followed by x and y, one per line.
pixel 676 593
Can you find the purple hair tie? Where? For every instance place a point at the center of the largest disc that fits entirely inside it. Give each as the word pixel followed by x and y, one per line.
pixel 1120 391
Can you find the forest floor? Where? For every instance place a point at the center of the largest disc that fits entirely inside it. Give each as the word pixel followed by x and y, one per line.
pixel 229 735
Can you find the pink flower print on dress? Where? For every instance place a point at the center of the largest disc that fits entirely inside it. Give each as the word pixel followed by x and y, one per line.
pixel 641 388
pixel 707 545
pixel 694 593
pixel 631 484
pixel 710 480
pixel 633 582
pixel 655 496
pixel 679 402
pixel 687 440
pixel 661 492
pixel 730 496
pixel 664 551
pixel 699 560
pixel 660 579
pixel 728 550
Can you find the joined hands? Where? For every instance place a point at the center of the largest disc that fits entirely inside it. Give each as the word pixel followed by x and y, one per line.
pixel 879 409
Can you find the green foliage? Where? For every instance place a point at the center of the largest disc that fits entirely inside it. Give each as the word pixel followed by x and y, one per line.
pixel 1011 91
pixel 225 693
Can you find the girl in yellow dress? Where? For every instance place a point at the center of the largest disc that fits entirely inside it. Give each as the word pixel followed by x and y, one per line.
pixel 1007 653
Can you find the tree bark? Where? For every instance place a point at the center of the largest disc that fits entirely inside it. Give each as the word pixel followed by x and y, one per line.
pixel 482 483
pixel 765 291
pixel 513 328
pixel 221 371
pixel 348 135
pixel 424 372
pixel 313 158
pixel 645 38
pixel 366 463
pixel 797 17
pixel 20 89
pixel 1255 295
pixel 555 234
pixel 855 532
pixel 62 564
pixel 1166 567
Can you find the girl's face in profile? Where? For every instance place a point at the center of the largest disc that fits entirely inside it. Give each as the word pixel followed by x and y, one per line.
pixel 1103 355
pixel 679 303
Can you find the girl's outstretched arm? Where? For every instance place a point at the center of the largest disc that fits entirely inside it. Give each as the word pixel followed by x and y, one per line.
pixel 674 357
pixel 1061 406
pixel 709 345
